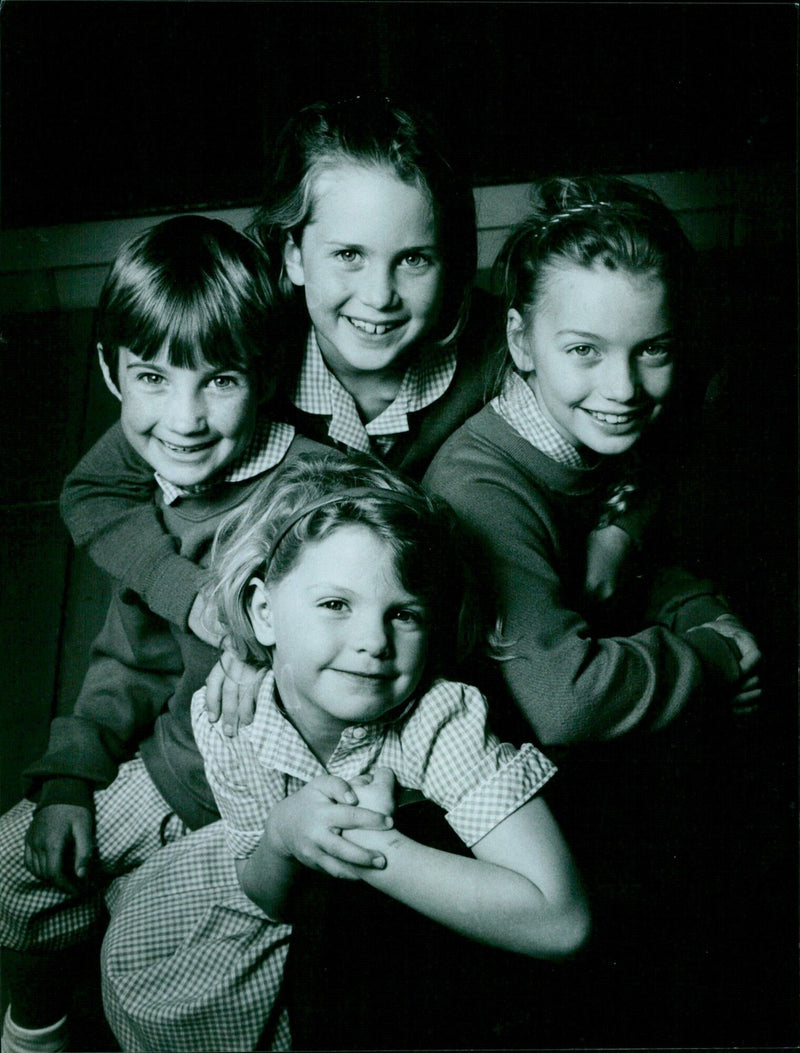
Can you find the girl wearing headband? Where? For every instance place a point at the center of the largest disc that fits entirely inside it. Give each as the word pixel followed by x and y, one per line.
pixel 346 582
pixel 565 483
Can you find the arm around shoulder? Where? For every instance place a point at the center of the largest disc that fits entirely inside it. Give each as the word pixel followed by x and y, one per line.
pixel 107 504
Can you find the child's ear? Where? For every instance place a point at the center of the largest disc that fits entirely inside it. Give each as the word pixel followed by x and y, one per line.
pixel 260 613
pixel 519 342
pixel 110 384
pixel 293 261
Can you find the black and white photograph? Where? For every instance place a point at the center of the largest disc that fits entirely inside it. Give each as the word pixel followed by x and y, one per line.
pixel 399 527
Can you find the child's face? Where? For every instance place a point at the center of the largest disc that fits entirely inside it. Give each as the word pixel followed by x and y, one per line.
pixel 597 354
pixel 371 267
pixel 188 424
pixel 350 641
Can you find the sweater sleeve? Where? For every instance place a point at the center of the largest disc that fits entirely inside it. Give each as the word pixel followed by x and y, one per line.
pixel 135 665
pixel 571 684
pixel 107 505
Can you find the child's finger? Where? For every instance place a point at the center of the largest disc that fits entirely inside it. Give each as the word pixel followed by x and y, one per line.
pixel 247 701
pixel 748 696
pixel 336 847
pixel 336 869
pixel 751 655
pixel 230 706
pixel 84 848
pixel 335 789
pixel 214 683
pixel 750 683
pixel 746 709
pixel 56 869
pixel 361 780
pixel 355 817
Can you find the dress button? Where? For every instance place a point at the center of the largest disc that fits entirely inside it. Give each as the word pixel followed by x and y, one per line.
pixel 359 732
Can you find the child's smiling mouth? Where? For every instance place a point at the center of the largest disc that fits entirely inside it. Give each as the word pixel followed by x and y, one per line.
pixel 194 448
pixel 631 417
pixel 365 676
pixel 373 328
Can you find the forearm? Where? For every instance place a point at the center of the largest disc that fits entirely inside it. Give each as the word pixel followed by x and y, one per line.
pixel 479 899
pixel 108 507
pixel 267 878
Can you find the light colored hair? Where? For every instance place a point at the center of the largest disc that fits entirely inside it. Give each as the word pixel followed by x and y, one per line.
pixel 315 496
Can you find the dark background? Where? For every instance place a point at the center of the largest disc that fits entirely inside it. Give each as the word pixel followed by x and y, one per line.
pixel 118 108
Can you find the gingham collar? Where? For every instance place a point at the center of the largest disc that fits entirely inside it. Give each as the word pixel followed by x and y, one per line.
pixel 268 446
pixel 318 391
pixel 283 748
pixel 519 408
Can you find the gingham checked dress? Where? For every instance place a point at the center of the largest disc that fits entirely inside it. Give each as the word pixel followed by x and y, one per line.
pixel 190 963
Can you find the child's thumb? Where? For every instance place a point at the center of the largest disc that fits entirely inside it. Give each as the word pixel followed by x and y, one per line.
pixel 383 776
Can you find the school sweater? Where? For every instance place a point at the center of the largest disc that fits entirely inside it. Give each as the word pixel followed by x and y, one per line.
pixel 576 672
pixel 143 672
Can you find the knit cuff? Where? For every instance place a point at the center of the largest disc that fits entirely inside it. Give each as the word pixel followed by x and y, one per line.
pixel 64 790
pixel 718 654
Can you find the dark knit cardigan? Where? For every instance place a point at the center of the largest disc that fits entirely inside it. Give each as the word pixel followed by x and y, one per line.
pixel 144 669
pixel 576 672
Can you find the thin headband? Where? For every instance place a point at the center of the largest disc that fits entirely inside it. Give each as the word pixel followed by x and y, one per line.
pixel 412 503
pixel 577 210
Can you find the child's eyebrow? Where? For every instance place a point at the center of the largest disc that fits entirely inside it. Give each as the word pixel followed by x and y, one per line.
pixel 403 599
pixel 340 243
pixel 139 363
pixel 580 333
pixel 667 333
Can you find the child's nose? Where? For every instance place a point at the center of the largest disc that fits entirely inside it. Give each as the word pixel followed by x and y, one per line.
pixel 187 413
pixel 621 378
pixel 377 287
pixel 372 636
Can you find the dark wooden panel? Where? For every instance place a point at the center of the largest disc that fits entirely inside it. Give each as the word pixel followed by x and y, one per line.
pixel 133 108
pixel 33 559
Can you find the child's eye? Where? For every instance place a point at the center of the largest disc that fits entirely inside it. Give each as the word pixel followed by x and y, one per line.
pixel 332 605
pixel 656 352
pixel 416 260
pixel 346 255
pixel 583 350
pixel 410 617
pixel 224 382
pixel 150 379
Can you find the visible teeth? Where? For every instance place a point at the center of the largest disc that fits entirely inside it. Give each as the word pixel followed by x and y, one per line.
pixel 370 327
pixel 183 449
pixel 611 418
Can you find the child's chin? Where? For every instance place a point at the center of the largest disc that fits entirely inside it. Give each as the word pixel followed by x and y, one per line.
pixel 614 445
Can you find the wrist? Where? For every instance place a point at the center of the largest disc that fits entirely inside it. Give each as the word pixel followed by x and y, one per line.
pixel 382 841
pixel 273 838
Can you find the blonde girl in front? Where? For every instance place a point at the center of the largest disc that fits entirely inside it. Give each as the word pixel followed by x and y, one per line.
pixel 345 581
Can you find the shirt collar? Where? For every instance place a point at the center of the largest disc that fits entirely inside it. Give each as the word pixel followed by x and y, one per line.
pixel 318 391
pixel 519 408
pixel 283 748
pixel 267 447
